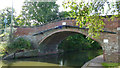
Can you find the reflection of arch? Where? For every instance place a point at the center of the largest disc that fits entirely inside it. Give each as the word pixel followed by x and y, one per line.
pixel 50 42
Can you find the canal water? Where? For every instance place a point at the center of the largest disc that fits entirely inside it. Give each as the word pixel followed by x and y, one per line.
pixel 70 59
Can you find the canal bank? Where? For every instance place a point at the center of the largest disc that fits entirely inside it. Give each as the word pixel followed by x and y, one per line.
pixel 77 58
pixel 94 63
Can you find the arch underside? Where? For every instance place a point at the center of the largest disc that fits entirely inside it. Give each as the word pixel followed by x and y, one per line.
pixel 51 42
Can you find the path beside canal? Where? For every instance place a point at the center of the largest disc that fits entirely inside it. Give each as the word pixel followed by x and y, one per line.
pixel 94 63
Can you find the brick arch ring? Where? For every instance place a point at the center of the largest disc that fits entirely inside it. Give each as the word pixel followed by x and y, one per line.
pixel 47 42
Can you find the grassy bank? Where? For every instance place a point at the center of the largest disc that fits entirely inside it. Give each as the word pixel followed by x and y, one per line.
pixel 111 65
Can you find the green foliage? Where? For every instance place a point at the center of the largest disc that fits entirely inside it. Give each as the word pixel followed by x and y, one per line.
pixel 4 37
pixel 3 48
pixel 88 14
pixel 64 14
pixel 6 13
pixel 78 42
pixel 111 65
pixel 4 32
pixel 36 13
pixel 19 44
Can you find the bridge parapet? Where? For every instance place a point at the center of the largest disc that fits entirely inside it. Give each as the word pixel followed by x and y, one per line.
pixel 109 26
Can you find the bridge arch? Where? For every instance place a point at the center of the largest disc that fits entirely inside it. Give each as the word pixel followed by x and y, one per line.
pixel 50 42
pixel 111 33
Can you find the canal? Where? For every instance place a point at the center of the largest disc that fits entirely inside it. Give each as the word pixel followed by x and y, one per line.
pixel 69 59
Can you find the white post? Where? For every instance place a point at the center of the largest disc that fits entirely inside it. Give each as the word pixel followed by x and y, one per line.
pixel 105 41
pixel 64 23
pixel 61 63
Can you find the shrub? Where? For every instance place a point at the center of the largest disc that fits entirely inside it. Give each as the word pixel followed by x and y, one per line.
pixel 19 44
pixel 2 48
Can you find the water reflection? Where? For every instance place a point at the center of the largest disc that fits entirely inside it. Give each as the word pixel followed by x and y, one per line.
pixel 77 58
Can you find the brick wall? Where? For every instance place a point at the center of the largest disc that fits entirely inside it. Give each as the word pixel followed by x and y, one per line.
pixel 109 26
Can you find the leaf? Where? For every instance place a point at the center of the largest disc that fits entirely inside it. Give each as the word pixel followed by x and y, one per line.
pixel 1 35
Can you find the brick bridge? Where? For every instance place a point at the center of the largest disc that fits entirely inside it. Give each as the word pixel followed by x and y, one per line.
pixel 46 37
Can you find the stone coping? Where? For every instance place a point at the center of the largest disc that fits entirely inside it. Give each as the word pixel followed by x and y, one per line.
pixel 94 63
pixel 31 53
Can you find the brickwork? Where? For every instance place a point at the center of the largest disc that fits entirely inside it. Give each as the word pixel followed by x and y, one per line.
pixel 48 41
pixel 109 25
pixel 119 44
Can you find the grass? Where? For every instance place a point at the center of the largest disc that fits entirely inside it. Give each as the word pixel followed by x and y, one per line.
pixel 28 63
pixel 111 65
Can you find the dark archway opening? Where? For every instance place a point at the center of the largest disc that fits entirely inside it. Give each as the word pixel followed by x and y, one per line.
pixel 78 42
pixel 78 50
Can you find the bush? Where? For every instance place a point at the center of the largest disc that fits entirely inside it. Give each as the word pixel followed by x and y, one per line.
pixel 2 48
pixel 19 44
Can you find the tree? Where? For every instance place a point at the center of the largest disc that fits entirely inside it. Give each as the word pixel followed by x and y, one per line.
pixel 36 13
pixel 64 14
pixel 88 14
pixel 5 13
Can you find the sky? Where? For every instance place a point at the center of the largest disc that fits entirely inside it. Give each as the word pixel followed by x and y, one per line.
pixel 17 4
